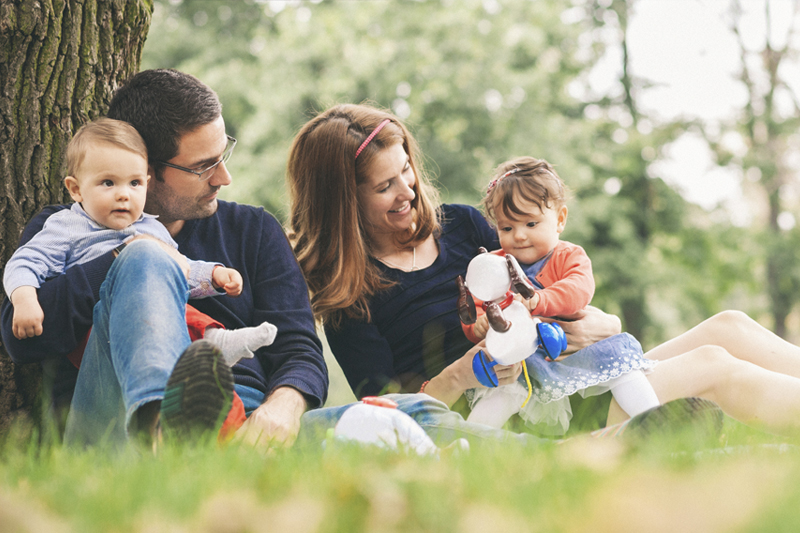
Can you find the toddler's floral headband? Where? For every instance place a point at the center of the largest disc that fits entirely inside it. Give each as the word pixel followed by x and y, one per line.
pixel 372 136
pixel 496 180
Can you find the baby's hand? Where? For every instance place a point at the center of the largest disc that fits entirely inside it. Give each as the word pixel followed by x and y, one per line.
pixel 28 314
pixel 481 327
pixel 227 279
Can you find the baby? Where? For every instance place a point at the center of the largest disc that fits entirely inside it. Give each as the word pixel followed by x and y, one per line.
pixel 107 166
pixel 526 200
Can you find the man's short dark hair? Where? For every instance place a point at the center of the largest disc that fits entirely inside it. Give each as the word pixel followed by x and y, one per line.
pixel 163 105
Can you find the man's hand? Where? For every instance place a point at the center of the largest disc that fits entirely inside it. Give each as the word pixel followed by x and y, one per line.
pixel 28 314
pixel 227 279
pixel 589 326
pixel 276 422
pixel 183 263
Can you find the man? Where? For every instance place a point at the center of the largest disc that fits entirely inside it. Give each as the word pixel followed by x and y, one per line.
pixel 121 382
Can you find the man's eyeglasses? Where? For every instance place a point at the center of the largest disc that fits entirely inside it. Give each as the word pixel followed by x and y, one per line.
pixel 205 173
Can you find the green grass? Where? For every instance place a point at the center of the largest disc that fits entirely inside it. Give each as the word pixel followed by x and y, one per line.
pixel 742 482
pixel 745 482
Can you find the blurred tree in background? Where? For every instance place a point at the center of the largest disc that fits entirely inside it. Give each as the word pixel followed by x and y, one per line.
pixel 765 151
pixel 478 82
pixel 659 261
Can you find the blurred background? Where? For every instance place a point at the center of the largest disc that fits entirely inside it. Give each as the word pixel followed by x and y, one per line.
pixel 676 124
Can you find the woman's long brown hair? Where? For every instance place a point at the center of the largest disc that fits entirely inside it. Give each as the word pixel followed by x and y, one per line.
pixel 327 229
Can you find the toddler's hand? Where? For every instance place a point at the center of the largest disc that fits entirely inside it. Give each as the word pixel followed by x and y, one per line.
pixel 481 327
pixel 529 304
pixel 227 279
pixel 28 314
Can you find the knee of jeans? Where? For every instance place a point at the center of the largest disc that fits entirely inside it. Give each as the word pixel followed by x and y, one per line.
pixel 142 249
pixel 147 254
pixel 143 261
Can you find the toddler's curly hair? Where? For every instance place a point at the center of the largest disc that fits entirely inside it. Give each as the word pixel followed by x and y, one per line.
pixel 524 178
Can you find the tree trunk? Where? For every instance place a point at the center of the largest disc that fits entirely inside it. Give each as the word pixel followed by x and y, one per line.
pixel 60 63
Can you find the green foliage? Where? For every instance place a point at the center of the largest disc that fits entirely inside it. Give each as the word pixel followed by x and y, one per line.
pixel 476 87
pixel 478 83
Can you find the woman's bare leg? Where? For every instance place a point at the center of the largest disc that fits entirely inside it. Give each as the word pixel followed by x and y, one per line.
pixel 747 392
pixel 740 336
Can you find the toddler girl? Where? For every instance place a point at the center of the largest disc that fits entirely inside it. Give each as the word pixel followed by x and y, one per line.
pixel 526 202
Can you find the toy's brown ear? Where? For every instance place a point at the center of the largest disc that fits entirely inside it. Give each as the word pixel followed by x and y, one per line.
pixel 519 280
pixel 483 250
pixel 496 319
pixel 466 305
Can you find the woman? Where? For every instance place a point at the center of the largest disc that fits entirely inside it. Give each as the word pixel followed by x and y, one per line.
pixel 381 256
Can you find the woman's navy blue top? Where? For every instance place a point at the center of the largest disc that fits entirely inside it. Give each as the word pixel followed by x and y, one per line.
pixel 414 332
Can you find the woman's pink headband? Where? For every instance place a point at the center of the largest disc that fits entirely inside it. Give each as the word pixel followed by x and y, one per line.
pixel 372 136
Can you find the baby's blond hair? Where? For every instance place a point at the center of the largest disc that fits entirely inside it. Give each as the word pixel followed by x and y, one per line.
pixel 102 130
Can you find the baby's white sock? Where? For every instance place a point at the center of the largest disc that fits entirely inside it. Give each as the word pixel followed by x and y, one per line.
pixel 237 344
pixel 634 393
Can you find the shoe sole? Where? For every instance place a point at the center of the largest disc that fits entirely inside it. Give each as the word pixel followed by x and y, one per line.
pixel 198 394
pixel 700 417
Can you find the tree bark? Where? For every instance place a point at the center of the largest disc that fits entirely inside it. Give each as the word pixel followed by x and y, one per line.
pixel 60 63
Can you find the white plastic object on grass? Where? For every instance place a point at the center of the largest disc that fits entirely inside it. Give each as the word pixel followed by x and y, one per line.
pixel 384 427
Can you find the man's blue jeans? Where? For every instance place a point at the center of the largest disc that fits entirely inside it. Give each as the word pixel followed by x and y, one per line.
pixel 441 424
pixel 138 334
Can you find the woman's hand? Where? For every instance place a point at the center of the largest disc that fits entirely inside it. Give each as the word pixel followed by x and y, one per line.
pixel 506 374
pixel 588 326
pixel 457 377
pixel 451 383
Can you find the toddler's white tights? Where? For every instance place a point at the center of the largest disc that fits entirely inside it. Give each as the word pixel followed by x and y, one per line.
pixel 634 393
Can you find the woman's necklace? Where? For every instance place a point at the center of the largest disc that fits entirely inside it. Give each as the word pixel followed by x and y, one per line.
pixel 404 269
